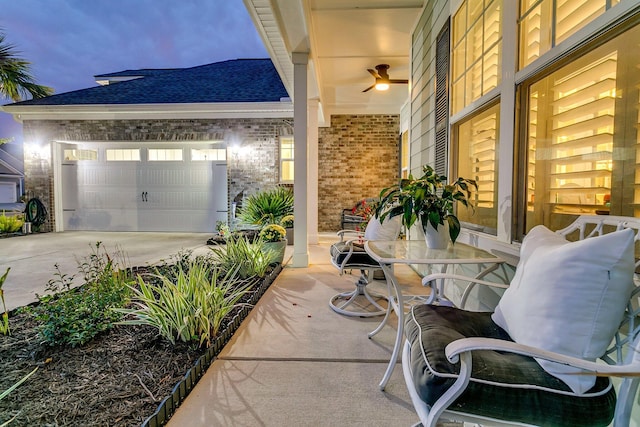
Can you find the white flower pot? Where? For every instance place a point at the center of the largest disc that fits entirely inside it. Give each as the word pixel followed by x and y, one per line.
pixel 437 239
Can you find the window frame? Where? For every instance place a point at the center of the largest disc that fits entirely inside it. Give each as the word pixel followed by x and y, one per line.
pixel 107 150
pixel 522 144
pixel 283 159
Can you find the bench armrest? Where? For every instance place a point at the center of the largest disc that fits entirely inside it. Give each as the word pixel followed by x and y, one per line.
pixel 464 345
pixel 351 234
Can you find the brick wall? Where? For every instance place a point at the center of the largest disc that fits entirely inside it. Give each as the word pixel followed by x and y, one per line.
pixel 358 157
pixel 38 182
pixel 256 165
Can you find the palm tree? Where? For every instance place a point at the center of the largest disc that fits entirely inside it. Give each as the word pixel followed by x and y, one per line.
pixel 16 80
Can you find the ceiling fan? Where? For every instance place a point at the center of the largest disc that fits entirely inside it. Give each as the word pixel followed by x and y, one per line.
pixel 382 78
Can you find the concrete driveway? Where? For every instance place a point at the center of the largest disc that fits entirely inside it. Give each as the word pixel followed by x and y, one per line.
pixel 32 258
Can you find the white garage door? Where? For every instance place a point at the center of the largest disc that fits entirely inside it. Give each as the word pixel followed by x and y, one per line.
pixel 127 187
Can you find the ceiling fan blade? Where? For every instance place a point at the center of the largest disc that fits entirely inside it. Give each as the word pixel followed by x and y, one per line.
pixel 369 88
pixel 399 81
pixel 374 73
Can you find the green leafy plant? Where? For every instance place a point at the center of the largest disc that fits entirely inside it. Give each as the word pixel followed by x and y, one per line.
pixel 10 224
pixel 267 207
pixel 189 308
pixel 250 259
pixel 428 198
pixel 273 233
pixel 287 221
pixel 12 388
pixel 4 326
pixel 75 316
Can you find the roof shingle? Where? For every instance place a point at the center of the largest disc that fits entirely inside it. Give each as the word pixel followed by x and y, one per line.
pixel 238 80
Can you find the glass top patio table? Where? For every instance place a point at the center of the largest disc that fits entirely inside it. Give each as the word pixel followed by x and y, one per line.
pixel 417 252
pixel 387 253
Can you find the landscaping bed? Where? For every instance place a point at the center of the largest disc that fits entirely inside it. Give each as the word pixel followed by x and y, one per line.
pixel 127 376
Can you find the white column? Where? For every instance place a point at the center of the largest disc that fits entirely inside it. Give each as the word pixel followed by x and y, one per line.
pixel 312 185
pixel 300 237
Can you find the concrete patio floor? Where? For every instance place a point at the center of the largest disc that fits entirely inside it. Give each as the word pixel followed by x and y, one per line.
pixel 293 362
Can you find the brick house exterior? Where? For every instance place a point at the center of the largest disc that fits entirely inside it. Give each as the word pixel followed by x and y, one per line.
pixel 247 114
pixel 357 157
pixel 256 169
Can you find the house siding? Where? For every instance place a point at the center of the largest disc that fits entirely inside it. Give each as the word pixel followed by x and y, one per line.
pixel 358 157
pixel 423 74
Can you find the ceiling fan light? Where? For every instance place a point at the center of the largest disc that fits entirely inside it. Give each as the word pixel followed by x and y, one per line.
pixel 382 86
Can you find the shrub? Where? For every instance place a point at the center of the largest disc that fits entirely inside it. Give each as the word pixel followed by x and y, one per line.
pixel 191 307
pixel 267 207
pixel 250 259
pixel 75 316
pixel 10 224
pixel 273 233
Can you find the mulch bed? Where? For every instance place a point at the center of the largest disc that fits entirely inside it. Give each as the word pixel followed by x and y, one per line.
pixel 118 379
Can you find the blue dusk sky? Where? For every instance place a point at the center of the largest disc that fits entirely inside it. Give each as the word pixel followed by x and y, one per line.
pixel 70 41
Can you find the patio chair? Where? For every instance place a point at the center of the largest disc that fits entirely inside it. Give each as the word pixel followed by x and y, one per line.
pixel 567 323
pixel 352 218
pixel 349 254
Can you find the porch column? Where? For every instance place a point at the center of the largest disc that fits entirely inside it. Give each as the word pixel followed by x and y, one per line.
pixel 300 238
pixel 312 187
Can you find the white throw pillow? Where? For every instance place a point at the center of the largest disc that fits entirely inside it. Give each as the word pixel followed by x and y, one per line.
pixel 390 230
pixel 568 297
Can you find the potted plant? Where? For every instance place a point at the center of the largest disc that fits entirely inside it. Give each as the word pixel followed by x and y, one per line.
pixel 274 237
pixel 287 223
pixel 429 199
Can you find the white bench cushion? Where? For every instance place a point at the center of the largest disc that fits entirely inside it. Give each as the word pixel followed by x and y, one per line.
pixel 568 297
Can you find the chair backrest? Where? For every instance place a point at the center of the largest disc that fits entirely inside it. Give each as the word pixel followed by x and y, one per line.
pixel 624 348
pixel 389 230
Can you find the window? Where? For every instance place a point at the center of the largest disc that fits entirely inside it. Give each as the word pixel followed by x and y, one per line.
pixel 582 154
pixel 80 154
pixel 165 154
pixel 477 44
pixel 286 159
pixel 123 154
pixel 208 154
pixel 545 23
pixel 477 147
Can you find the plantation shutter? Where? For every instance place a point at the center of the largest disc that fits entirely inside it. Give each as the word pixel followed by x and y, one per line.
pixel 442 99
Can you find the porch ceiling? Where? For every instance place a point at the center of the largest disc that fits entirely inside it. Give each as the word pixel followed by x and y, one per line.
pixel 344 38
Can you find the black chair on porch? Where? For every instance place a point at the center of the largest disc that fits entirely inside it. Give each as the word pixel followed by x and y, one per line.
pixel 349 254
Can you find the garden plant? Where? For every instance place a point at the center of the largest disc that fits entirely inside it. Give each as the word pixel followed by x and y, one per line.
pixel 267 207
pixel 96 367
pixel 191 307
pixel 75 316
pixel 10 224
pixel 250 259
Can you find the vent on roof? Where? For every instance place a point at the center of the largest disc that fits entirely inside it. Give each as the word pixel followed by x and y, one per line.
pixel 442 100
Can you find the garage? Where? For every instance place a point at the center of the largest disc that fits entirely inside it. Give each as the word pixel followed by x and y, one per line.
pixel 131 186
pixel 155 149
